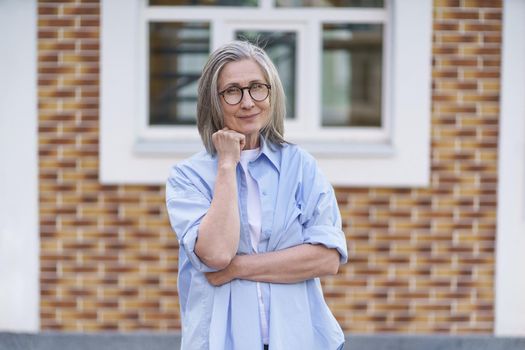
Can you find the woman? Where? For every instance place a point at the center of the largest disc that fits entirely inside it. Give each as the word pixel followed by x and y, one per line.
pixel 256 221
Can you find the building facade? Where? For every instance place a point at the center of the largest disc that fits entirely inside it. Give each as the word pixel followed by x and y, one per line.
pixel 433 249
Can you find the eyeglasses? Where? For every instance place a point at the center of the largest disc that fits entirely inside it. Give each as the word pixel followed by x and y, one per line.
pixel 234 94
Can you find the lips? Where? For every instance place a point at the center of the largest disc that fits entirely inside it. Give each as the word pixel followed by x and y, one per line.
pixel 248 116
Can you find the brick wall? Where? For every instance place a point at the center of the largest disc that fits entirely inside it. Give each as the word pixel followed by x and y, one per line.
pixel 108 257
pixel 422 260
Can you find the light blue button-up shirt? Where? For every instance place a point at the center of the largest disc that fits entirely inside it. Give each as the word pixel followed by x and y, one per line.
pixel 298 206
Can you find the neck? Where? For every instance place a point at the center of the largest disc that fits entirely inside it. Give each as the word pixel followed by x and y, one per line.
pixel 252 141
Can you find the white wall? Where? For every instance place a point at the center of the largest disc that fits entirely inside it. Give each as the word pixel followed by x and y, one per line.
pixel 347 158
pixel 510 251
pixel 19 239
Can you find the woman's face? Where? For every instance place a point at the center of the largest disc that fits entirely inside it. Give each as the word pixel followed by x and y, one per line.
pixel 249 116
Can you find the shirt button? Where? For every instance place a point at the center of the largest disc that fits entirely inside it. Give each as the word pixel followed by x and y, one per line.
pixel 264 193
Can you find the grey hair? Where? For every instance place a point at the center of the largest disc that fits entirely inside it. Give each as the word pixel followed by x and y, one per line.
pixel 209 112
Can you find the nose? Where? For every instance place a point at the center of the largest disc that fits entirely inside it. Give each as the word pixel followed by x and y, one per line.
pixel 246 101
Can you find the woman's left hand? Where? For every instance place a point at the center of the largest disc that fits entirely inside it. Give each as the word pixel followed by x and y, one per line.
pixel 218 278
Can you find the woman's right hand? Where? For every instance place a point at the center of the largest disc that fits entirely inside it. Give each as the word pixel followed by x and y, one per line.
pixel 229 144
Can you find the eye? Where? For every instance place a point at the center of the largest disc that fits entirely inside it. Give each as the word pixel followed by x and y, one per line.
pixel 232 90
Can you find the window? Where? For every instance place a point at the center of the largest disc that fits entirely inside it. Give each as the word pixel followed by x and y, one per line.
pixel 177 53
pixel 352 75
pixel 330 61
pixel 335 58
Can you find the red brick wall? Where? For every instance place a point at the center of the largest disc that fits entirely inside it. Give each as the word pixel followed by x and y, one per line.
pixel 422 260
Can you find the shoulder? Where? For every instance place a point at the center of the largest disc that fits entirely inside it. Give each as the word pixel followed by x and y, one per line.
pixel 194 176
pixel 198 168
pixel 200 158
pixel 197 162
pixel 295 154
pixel 305 167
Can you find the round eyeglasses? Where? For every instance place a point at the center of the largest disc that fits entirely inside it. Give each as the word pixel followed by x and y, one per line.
pixel 233 95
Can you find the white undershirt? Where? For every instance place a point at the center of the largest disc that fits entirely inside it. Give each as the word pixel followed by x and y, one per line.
pixel 254 222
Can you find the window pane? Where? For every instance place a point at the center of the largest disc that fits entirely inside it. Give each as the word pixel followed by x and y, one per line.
pixel 352 66
pixel 177 53
pixel 250 3
pixel 281 47
pixel 330 3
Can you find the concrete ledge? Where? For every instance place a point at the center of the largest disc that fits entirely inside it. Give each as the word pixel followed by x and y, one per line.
pixel 432 342
pixel 89 341
pixel 171 341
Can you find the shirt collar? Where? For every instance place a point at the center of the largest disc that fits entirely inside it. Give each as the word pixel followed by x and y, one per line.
pixel 271 152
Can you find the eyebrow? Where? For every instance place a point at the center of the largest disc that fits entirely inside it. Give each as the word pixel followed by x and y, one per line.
pixel 239 85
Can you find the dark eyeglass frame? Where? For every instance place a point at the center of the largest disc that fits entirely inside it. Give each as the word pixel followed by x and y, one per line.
pixel 268 86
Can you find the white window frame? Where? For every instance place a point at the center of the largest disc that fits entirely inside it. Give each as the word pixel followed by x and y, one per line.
pixel 307 23
pixel 395 155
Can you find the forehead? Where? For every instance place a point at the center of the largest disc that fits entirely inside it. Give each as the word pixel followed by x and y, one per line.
pixel 240 72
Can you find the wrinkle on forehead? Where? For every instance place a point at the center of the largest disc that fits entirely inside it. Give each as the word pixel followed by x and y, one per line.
pixel 240 73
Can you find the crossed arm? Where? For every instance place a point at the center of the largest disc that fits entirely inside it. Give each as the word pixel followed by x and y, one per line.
pixel 219 234
pixel 289 265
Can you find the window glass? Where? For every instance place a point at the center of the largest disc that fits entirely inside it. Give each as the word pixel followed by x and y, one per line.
pixel 352 69
pixel 177 53
pixel 330 3
pixel 248 3
pixel 281 47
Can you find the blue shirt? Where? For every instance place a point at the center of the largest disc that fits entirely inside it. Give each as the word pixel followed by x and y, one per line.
pixel 298 206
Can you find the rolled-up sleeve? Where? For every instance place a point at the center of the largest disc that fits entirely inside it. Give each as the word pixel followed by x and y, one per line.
pixel 186 207
pixel 320 216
